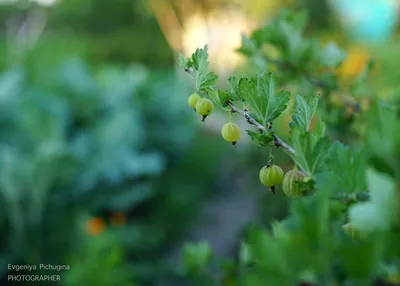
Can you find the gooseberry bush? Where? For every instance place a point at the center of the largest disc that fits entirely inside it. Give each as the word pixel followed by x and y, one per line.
pixel 343 221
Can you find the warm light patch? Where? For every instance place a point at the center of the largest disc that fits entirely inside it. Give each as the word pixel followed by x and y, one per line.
pixel 354 64
pixel 221 31
pixel 95 226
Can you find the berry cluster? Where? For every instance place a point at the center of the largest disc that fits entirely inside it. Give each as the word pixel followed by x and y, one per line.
pixel 202 106
pixel 270 175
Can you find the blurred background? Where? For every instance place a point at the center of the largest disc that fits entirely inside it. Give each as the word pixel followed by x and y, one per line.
pixel 103 166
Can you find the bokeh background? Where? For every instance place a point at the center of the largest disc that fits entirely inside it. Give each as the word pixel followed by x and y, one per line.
pixel 104 167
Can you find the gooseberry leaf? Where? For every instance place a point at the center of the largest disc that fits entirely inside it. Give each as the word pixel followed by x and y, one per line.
pixel 184 62
pixel 347 167
pixel 255 117
pixel 319 129
pixel 204 80
pixel 263 139
pixel 379 212
pixel 383 139
pixel 268 255
pixel 220 98
pixel 304 111
pixel 234 93
pixel 310 151
pixel 260 94
pixel 275 103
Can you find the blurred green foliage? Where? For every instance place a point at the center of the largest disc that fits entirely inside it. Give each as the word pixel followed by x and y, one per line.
pixel 99 262
pixel 121 33
pixel 77 142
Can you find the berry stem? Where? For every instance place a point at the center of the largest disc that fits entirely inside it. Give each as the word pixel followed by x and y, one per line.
pixel 278 142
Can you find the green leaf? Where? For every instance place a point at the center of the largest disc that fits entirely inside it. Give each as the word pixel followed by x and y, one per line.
pixel 297 19
pixel 347 167
pixel 260 94
pixel 310 151
pixel 244 253
pixel 183 61
pixel 205 81
pixel 361 260
pixel 248 92
pixel 379 213
pixel 275 104
pixel 256 118
pixel 319 153
pixel 196 257
pixel 220 98
pixel 263 139
pixel 383 140
pixel 248 47
pixel 304 110
pixel 302 145
pixel 234 93
pixel 319 128
pixel 268 255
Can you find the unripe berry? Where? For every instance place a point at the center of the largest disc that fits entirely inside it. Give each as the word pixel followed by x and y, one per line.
pixel 193 99
pixel 231 132
pixel 270 176
pixel 289 183
pixel 204 107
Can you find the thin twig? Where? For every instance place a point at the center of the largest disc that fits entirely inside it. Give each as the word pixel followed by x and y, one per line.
pixel 278 141
pixel 345 197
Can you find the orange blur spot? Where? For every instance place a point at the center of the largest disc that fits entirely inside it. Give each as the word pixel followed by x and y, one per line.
pixel 95 226
pixel 354 64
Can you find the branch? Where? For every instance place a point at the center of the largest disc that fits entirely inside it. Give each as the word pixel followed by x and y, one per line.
pixel 353 197
pixel 278 141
